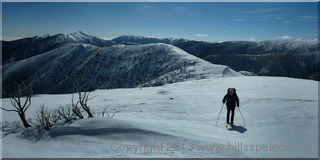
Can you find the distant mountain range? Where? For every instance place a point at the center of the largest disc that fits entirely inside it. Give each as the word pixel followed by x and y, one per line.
pixel 50 63
pixel 286 58
pixel 28 47
pixel 83 59
pixel 131 40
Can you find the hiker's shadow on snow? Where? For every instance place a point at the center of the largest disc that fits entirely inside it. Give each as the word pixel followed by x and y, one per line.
pixel 239 129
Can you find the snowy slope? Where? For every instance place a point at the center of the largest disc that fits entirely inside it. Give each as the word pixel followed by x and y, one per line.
pixel 278 112
pixel 118 66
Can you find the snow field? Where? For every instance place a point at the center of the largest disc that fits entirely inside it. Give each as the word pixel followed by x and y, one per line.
pixel 178 120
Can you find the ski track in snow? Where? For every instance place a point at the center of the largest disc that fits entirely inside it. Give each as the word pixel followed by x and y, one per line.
pixel 277 111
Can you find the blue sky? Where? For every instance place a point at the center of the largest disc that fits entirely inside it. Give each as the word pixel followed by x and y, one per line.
pixel 198 21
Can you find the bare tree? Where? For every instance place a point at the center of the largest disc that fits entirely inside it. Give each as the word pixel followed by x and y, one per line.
pixel 83 95
pixel 76 109
pixel 105 112
pixel 43 117
pixel 55 116
pixel 20 105
pixel 66 112
pixel 83 99
pixel 46 117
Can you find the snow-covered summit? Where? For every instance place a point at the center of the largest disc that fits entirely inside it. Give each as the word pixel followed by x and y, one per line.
pixel 82 37
pixel 79 35
pixel 32 46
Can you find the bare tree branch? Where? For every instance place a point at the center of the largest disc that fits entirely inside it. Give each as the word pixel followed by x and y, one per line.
pixel 9 110
pixel 29 97
pixel 13 103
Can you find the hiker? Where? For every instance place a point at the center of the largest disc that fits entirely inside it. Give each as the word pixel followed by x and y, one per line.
pixel 232 100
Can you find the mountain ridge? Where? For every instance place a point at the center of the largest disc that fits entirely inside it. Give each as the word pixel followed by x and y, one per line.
pixel 117 66
pixel 299 59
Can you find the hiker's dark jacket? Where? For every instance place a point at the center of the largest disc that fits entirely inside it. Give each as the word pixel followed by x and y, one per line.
pixel 232 101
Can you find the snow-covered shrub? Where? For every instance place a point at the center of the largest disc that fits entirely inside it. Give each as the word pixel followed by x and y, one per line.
pixel 46 117
pixel 163 92
pixel 66 113
pixel 105 113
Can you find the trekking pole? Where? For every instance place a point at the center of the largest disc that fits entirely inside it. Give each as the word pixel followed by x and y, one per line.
pixel 219 114
pixel 242 118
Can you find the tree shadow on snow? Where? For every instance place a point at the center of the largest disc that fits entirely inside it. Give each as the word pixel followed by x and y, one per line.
pixel 239 129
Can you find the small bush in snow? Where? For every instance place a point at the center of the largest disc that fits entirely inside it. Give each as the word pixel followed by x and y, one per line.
pixel 76 109
pixel 163 92
pixel 105 113
pixel 66 113
pixel 46 118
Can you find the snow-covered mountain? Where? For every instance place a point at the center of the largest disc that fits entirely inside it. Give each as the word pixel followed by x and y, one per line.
pixel 117 66
pixel 130 39
pixel 288 58
pixel 28 47
pixel 278 118
pixel 299 58
pixel 248 47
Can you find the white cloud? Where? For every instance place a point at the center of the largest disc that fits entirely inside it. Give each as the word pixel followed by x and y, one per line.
pixel 286 21
pixel 240 20
pixel 308 18
pixel 252 38
pixel 200 35
pixel 105 38
pixel 305 17
pixel 284 37
pixel 266 10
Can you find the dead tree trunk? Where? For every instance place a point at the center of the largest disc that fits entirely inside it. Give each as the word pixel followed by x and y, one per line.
pixel 24 121
pixel 19 106
pixel 76 109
